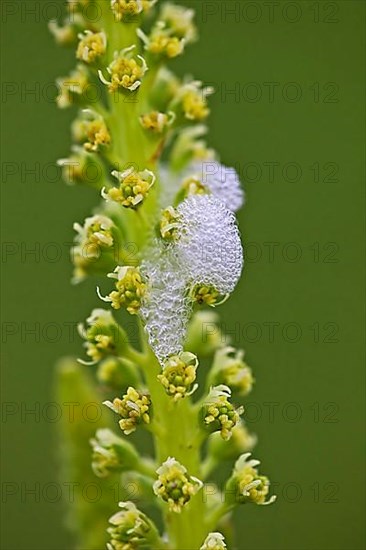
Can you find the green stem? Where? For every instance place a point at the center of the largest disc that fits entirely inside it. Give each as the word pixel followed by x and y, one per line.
pixel 175 427
pixel 177 438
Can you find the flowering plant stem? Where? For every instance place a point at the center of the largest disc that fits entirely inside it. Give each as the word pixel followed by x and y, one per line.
pixel 177 436
pixel 165 232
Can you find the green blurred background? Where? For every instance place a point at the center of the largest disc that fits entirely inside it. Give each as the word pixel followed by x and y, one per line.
pixel 294 128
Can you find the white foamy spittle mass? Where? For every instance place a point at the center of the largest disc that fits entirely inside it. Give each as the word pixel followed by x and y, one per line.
pixel 221 181
pixel 209 247
pixel 207 251
pixel 166 309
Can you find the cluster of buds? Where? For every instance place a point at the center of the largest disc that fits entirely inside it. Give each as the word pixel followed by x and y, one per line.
pixel 157 122
pixel 126 71
pixel 219 414
pixel 124 9
pixel 130 289
pixel 82 167
pixel 205 294
pixel 214 541
pixel 133 187
pixel 92 46
pixel 111 453
pixel 96 232
pixel 134 408
pixel 94 245
pixel 118 373
pixel 172 31
pixel 103 336
pixel 131 528
pixel 246 484
pixel 193 100
pixel 67 33
pixel 92 131
pixel 174 485
pixel 72 88
pixel 230 369
pixel 169 223
pixel 179 374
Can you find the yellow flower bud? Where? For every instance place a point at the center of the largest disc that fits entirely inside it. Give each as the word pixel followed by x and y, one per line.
pixel 111 453
pixel 125 71
pixel 128 8
pixel 92 131
pixel 156 122
pixel 71 88
pixel 205 294
pixel 103 336
pixel 249 486
pixel 214 541
pixel 174 485
pixel 219 414
pixel 178 375
pixel 194 101
pixel 92 45
pixel 229 368
pixel 133 187
pixel 130 289
pixel 65 35
pixel 169 223
pixel 133 408
pixel 131 529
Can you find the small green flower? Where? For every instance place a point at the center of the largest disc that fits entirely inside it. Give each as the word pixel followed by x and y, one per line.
pixel 219 414
pixel 247 484
pixel 230 369
pixel 178 375
pixel 82 167
pixel 134 409
pixel 128 8
pixel 133 187
pixel 131 529
pixel 173 30
pixel 72 88
pixel 94 246
pixel 174 485
pixel 157 122
pixel 130 289
pixel 91 130
pixel 97 231
pixel 192 185
pixel 193 100
pixel 92 45
pixel 126 71
pixel 118 373
pixel 111 453
pixel 66 34
pixel 214 541
pixel 104 337
pixel 205 294
pixel 169 222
